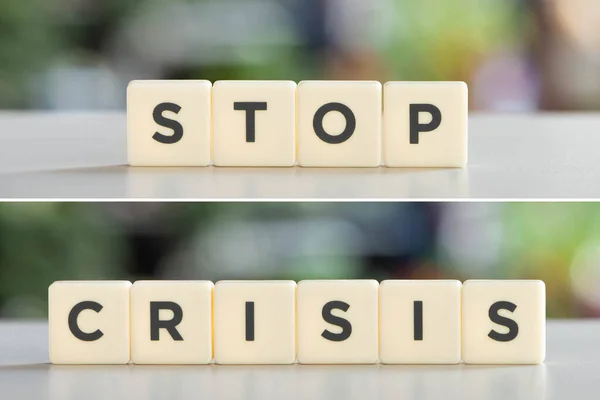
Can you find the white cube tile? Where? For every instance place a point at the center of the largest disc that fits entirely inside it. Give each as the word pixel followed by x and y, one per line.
pixel 425 124
pixel 339 123
pixel 171 322
pixel 337 321
pixel 419 322
pixel 88 322
pixel 255 322
pixel 503 322
pixel 168 122
pixel 254 123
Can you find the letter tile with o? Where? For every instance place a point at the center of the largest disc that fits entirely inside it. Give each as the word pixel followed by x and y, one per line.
pixel 339 124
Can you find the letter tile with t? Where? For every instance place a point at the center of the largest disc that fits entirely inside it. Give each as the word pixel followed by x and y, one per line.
pixel 88 322
pixel 503 322
pixel 171 322
pixel 337 321
pixel 255 322
pixel 254 123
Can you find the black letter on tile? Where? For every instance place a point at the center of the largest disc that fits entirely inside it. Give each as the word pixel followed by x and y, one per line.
pixel 168 123
pixel 170 325
pixel 418 320
pixel 249 321
pixel 250 107
pixel 332 319
pixel 318 123
pixel 513 328
pixel 75 311
pixel 415 127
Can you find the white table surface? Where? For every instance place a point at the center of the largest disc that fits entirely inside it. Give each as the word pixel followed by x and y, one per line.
pixel 571 371
pixel 45 155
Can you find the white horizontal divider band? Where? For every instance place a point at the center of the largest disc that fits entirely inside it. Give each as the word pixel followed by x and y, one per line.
pixel 355 321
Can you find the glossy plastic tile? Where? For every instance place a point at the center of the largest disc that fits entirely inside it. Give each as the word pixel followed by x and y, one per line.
pixel 255 322
pixel 254 123
pixel 337 322
pixel 168 123
pixel 88 322
pixel 419 322
pixel 171 322
pixel 425 124
pixel 503 322
pixel 339 123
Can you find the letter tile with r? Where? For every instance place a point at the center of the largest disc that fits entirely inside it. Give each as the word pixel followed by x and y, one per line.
pixel 171 322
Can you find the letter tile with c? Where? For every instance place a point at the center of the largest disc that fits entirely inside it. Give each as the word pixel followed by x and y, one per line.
pixel 88 322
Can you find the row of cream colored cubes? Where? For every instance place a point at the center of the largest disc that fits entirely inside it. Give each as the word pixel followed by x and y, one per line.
pixel 313 322
pixel 190 122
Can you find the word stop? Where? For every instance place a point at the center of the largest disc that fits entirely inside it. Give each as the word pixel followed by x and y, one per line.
pixel 313 124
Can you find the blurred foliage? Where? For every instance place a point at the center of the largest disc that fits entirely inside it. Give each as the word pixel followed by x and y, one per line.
pixel 543 240
pixel 28 38
pixel 514 54
pixel 447 40
pixel 44 242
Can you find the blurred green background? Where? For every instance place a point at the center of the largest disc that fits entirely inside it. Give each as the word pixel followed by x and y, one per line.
pixel 516 55
pixel 556 242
